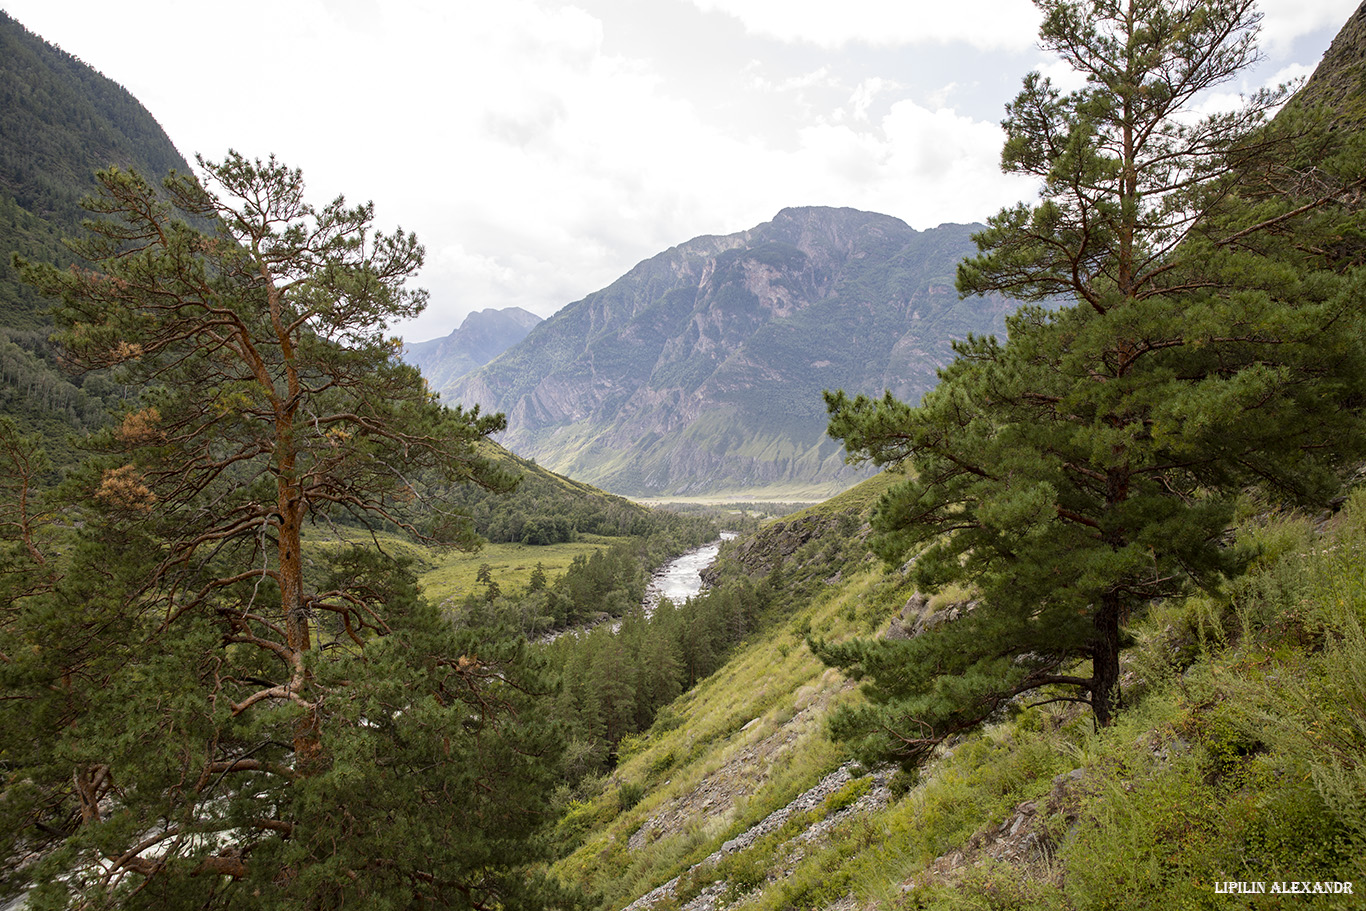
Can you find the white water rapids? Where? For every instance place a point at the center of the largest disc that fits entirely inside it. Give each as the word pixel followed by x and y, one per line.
pixel 681 578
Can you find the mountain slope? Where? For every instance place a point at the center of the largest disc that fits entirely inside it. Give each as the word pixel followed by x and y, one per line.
pixel 60 121
pixel 701 370
pixel 482 336
pixel 739 798
pixel 1337 81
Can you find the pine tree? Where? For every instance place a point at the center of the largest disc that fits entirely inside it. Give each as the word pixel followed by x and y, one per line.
pixel 201 712
pixel 1208 340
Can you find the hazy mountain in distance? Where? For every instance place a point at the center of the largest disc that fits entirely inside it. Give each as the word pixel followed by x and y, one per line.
pixel 700 371
pixel 482 336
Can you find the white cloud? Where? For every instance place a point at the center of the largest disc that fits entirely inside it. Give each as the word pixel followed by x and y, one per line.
pixel 1061 74
pixel 949 164
pixel 939 98
pixel 1285 20
pixel 983 24
pixel 539 155
pixel 867 93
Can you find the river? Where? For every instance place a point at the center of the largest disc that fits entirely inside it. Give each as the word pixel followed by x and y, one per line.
pixel 681 578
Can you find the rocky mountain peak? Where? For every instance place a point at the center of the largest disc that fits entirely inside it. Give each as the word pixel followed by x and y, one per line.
pixel 701 369
pixel 482 336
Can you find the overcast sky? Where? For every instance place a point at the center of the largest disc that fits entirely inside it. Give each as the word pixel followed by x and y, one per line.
pixel 541 149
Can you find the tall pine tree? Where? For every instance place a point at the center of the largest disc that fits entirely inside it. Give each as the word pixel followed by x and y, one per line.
pixel 1208 339
pixel 200 713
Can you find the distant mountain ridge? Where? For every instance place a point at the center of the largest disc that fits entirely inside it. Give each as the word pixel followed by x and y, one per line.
pixel 700 371
pixel 482 336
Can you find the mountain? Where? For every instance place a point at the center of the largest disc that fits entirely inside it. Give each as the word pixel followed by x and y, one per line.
pixel 700 371
pixel 60 121
pixel 481 337
pixel 1338 79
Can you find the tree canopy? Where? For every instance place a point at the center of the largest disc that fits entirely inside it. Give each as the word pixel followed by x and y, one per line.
pixel 1194 331
pixel 200 711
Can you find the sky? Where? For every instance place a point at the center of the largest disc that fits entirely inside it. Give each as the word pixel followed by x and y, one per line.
pixel 540 149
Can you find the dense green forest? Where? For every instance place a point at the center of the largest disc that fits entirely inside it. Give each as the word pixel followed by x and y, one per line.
pixel 552 509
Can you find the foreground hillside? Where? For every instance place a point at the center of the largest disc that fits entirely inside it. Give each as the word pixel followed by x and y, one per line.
pixel 701 370
pixel 1240 757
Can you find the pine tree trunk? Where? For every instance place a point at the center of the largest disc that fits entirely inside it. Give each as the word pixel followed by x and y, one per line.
pixel 307 736
pixel 1105 694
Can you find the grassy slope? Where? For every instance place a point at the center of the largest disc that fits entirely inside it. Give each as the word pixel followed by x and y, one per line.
pixel 452 576
pixel 751 736
pixel 447 574
pixel 1242 757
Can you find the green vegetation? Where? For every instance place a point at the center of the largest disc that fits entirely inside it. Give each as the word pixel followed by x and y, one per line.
pixel 1238 757
pixel 62 122
pixel 617 680
pixel 195 714
pixel 552 509
pixel 616 675
pixel 453 575
pixel 240 668
pixel 59 122
pixel 1093 462
pixel 753 729
pixel 269 667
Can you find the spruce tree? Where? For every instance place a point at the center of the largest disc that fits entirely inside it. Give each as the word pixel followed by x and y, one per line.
pixel 200 710
pixel 1189 333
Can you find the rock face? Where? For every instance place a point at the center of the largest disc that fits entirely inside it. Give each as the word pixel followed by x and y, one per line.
pixel 482 336
pixel 701 370
pixel 1337 81
pixel 875 796
pixel 772 546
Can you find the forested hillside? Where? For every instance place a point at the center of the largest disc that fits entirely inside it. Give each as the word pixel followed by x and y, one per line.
pixel 60 121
